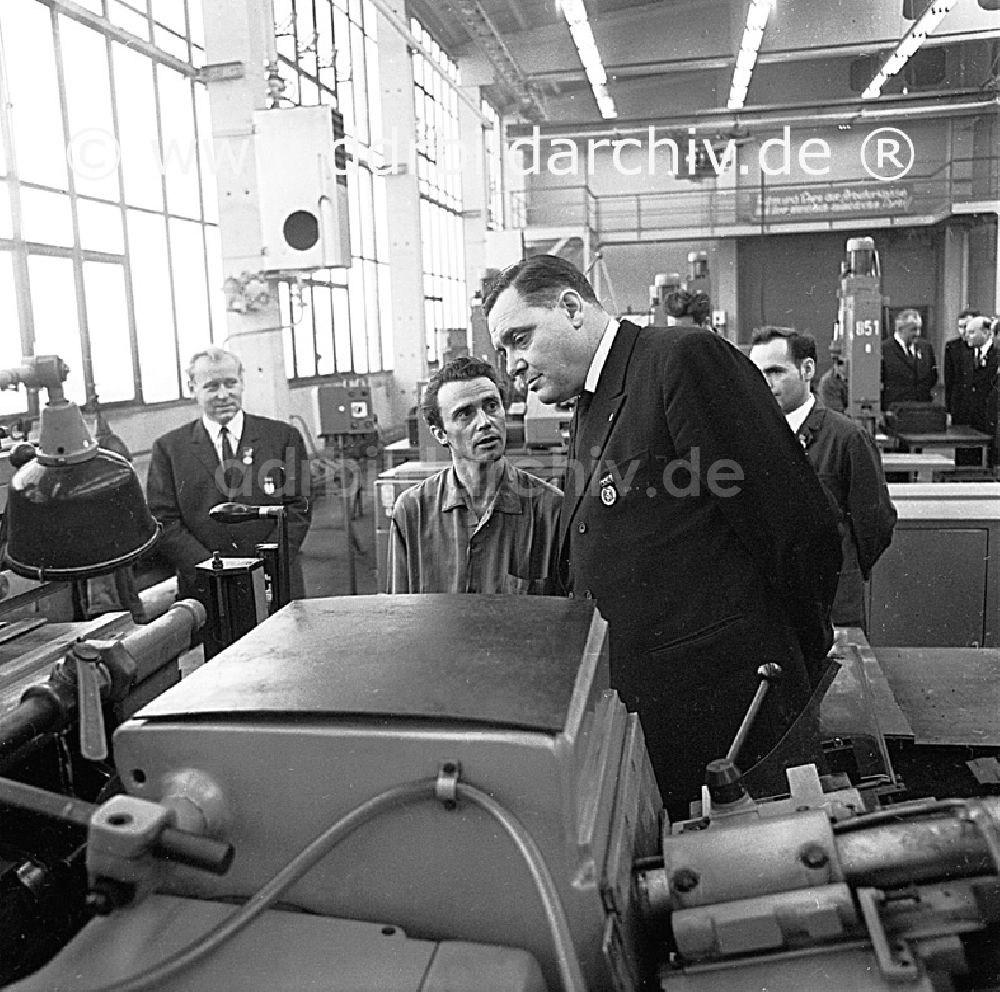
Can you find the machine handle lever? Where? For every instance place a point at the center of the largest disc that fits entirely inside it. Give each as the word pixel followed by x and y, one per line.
pixel 206 853
pixel 172 844
pixel 93 739
pixel 767 673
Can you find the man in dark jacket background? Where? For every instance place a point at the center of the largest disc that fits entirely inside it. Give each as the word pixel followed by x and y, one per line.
pixel 844 456
pixel 225 455
pixel 909 368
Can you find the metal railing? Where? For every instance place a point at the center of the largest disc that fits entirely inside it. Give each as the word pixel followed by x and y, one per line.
pixel 711 209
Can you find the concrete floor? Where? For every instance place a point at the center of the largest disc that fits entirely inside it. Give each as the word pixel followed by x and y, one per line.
pixel 325 564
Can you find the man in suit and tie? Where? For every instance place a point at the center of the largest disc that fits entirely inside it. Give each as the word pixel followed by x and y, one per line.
pixel 693 519
pixel 845 458
pixel 909 368
pixel 955 352
pixel 225 455
pixel 974 390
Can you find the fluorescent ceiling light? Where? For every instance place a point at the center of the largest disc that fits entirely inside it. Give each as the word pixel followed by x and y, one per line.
pixel 753 35
pixel 583 37
pixel 909 44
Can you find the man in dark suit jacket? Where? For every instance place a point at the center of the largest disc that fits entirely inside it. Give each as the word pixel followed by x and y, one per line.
pixel 225 455
pixel 974 390
pixel 909 368
pixel 955 354
pixel 691 516
pixel 844 456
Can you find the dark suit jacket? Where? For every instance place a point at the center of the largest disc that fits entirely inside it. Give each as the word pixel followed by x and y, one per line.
pixel 186 480
pixel 702 576
pixel 974 390
pixel 849 466
pixel 905 378
pixel 956 354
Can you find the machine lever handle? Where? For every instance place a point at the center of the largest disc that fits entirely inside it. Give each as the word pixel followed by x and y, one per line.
pixel 206 853
pixel 767 673
pixel 93 739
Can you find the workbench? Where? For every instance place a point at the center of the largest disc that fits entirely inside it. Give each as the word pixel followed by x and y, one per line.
pixel 950 439
pixel 917 466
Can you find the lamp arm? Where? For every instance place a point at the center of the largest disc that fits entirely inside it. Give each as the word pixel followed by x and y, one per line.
pixel 37 371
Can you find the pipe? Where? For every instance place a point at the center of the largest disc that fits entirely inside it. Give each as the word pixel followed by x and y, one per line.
pixel 49 706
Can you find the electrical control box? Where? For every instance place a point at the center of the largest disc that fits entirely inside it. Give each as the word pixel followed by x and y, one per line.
pixel 344 409
pixel 302 182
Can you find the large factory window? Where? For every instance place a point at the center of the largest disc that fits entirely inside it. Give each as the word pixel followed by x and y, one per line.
pixel 439 173
pixel 493 161
pixel 339 321
pixel 107 217
pixel 10 345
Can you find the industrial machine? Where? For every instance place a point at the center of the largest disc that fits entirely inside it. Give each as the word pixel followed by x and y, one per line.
pixel 441 792
pixel 857 341
pixel 664 283
pixel 63 687
pixel 546 425
pixel 697 280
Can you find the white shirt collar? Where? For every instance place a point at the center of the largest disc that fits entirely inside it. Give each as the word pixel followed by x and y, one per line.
pixel 601 356
pixel 798 416
pixel 903 344
pixel 985 346
pixel 235 428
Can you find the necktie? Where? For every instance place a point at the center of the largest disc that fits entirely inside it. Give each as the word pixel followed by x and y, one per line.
pixel 232 475
pixel 579 412
pixel 226 443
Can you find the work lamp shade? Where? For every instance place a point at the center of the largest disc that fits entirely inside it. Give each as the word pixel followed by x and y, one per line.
pixel 77 520
pixel 75 510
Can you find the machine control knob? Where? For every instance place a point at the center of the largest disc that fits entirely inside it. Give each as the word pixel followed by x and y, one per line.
pixel 725 784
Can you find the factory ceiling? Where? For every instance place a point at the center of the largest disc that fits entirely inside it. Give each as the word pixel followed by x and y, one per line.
pixel 669 58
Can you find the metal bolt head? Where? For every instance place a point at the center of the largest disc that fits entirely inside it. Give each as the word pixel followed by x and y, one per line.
pixel 684 880
pixel 814 856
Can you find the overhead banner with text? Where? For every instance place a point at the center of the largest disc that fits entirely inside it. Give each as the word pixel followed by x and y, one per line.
pixel 827 203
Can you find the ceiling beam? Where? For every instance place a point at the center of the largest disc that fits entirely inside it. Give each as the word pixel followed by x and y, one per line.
pixel 949 103
pixel 708 62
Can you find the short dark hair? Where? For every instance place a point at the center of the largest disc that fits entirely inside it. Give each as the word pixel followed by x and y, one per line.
pixel 800 346
pixel 683 303
pixel 969 313
pixel 540 279
pixel 457 370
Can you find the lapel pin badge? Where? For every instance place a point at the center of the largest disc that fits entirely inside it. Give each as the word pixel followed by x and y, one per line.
pixel 609 494
pixel 248 456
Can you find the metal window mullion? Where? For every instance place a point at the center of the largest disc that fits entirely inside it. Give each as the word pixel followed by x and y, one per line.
pixel 164 213
pixel 201 214
pixel 91 20
pixel 295 48
pixel 333 55
pixel 133 333
pixel 89 385
pixel 19 251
